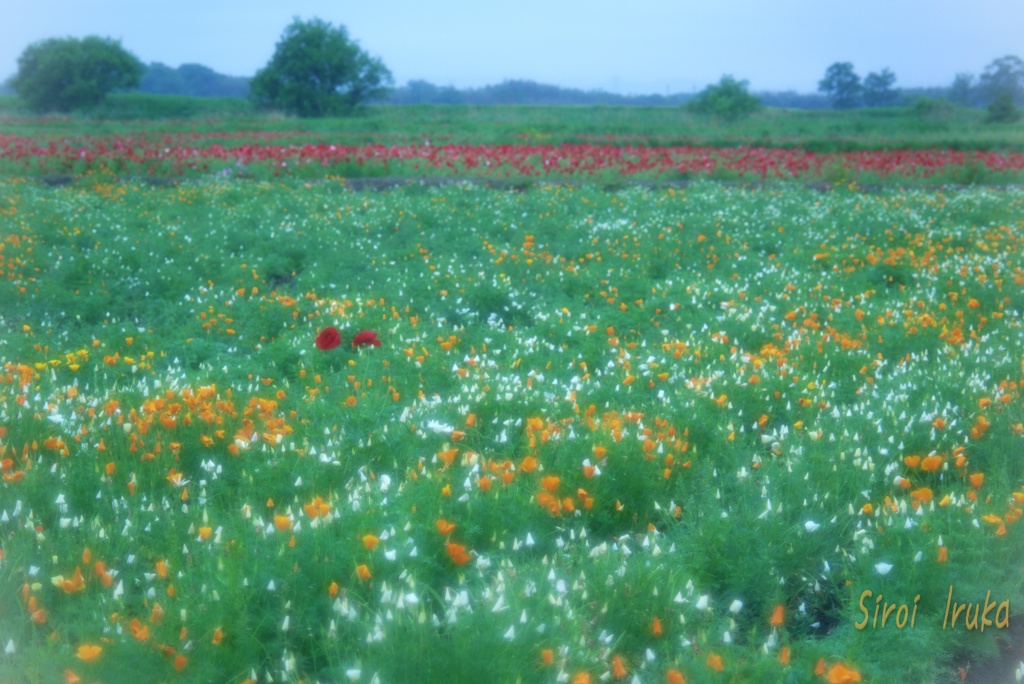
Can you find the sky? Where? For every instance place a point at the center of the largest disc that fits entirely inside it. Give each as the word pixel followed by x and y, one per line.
pixel 634 47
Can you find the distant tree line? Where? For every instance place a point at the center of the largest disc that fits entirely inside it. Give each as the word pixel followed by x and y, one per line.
pixel 521 92
pixel 317 70
pixel 1000 88
pixel 191 79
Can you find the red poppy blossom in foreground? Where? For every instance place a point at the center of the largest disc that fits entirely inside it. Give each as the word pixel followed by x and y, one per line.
pixel 365 339
pixel 329 338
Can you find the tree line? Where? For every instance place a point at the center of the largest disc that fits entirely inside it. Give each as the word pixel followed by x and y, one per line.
pixel 318 70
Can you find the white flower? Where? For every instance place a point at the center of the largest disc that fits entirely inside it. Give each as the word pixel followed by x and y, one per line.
pixel 736 606
pixel 811 526
pixel 883 568
pixel 702 602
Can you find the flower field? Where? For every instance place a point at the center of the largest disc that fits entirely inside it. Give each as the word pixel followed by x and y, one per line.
pixel 272 154
pixel 276 431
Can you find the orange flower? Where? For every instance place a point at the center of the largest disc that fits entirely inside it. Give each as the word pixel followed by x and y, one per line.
pixel 332 590
pixel 656 628
pixel 618 669
pixel 943 554
pixel 444 527
pixel 89 652
pixel 582 678
pixel 139 630
pixel 931 464
pixel 840 674
pixel 448 455
pixel 528 465
pixel 317 508
pixel 977 479
pixel 547 656
pixel 924 494
pixel 370 542
pixel 205 532
pixel 939 423
pixel 218 634
pixel 77 583
pixel 71 678
pixel 777 616
pixel 457 552
pixel 546 500
pixel 784 655
pixel 675 677
pixel 550 483
pixel 484 483
pixel 363 572
pixel 283 523
pixel 715 662
pixel 179 662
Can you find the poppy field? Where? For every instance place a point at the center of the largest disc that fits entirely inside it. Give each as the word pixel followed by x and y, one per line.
pixel 280 431
pixel 267 155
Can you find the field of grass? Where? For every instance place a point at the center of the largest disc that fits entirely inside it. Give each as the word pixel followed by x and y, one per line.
pixel 942 126
pixel 647 435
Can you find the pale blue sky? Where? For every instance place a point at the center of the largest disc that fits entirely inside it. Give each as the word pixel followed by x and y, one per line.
pixel 640 46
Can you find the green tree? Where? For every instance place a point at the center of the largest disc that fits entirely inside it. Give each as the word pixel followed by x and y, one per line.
pixel 1005 74
pixel 878 90
pixel 65 74
pixel 317 71
pixel 841 85
pixel 728 99
pixel 963 92
pixel 1002 85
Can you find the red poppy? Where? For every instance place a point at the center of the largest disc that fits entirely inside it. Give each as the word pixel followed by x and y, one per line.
pixel 365 339
pixel 329 338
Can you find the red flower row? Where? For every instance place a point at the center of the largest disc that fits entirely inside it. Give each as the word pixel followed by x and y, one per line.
pixel 161 154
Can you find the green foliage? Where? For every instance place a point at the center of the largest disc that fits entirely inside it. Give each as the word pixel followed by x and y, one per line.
pixel 317 71
pixel 748 513
pixel 191 79
pixel 1002 110
pixel 841 85
pixel 66 74
pixel 926 107
pixel 878 90
pixel 963 91
pixel 1004 75
pixel 728 100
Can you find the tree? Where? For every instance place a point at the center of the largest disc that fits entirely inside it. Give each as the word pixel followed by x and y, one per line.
pixel 317 71
pixel 728 100
pixel 963 92
pixel 841 85
pixel 1001 109
pixel 1004 75
pixel 878 90
pixel 64 74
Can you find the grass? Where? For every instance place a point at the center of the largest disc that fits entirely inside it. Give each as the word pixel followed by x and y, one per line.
pixel 656 428
pixel 814 130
